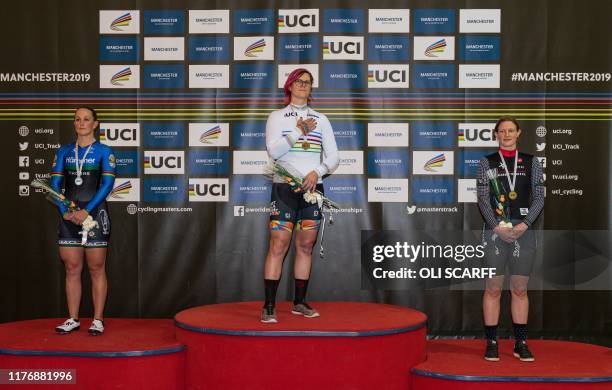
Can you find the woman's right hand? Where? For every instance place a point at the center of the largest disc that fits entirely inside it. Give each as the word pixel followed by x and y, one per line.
pixel 69 216
pixel 307 125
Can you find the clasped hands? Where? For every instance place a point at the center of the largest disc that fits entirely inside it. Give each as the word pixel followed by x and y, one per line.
pixel 76 217
pixel 511 234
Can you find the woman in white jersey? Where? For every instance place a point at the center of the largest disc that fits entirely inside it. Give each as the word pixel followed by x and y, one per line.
pixel 299 136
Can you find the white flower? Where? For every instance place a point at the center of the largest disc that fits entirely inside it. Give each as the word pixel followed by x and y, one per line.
pixel 313 197
pixel 505 224
pixel 87 225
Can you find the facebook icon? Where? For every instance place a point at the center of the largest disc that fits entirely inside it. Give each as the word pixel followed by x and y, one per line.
pixel 238 211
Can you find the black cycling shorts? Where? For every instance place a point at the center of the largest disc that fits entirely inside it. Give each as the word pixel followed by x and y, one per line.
pixel 288 208
pixel 500 254
pixel 97 237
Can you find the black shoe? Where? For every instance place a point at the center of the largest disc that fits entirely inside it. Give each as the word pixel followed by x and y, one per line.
pixel 492 351
pixel 521 351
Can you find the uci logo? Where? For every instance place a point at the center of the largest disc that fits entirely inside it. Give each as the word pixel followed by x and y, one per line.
pixel 288 114
pixel 210 189
pixel 344 47
pixel 171 162
pixel 486 135
pixel 119 134
pixel 395 76
pixel 300 20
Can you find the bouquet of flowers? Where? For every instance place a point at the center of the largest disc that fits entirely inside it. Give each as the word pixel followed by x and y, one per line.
pixel 500 209
pixel 288 174
pixel 58 198
pixel 500 198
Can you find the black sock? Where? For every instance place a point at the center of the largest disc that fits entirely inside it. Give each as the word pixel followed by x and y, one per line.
pixel 491 332
pixel 270 286
pixel 301 286
pixel 520 332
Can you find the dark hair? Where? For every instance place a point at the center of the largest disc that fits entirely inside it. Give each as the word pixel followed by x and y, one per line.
pixel 507 119
pixel 93 112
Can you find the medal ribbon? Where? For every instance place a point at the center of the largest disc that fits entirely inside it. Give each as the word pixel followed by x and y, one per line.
pixel 79 166
pixel 512 183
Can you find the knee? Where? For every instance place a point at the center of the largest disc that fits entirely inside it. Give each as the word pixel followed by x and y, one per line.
pixel 519 292
pixel 73 269
pixel 97 270
pixel 278 247
pixel 493 292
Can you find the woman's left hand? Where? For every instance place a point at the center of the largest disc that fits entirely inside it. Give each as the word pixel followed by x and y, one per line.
pixel 80 216
pixel 519 229
pixel 310 181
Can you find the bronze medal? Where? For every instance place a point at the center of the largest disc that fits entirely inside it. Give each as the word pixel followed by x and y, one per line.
pixel 512 195
pixel 305 145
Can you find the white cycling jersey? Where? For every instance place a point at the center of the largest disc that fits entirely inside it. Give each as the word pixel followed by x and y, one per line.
pixel 316 151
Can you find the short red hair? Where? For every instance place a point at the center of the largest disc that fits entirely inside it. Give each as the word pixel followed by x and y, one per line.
pixel 296 74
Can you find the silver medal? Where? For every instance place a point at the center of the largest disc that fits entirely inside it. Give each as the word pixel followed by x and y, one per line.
pixel 78 181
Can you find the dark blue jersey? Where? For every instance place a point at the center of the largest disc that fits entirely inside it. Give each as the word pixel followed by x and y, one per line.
pixel 98 175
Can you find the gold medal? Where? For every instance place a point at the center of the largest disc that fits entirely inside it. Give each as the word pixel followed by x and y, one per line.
pixel 305 145
pixel 512 195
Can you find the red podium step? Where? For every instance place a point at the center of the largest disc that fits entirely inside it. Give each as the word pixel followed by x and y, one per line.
pixel 559 365
pixel 131 354
pixel 351 346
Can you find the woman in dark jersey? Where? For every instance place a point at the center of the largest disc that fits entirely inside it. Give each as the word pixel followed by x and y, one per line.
pixel 510 250
pixel 85 170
